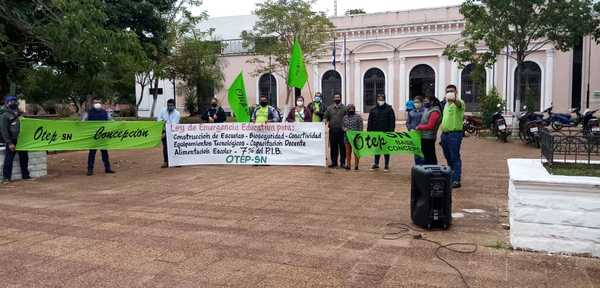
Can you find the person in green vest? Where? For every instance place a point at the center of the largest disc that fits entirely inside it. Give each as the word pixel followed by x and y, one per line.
pixel 452 133
pixel 264 113
pixel 317 108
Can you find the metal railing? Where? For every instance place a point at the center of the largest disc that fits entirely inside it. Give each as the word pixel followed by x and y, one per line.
pixel 569 146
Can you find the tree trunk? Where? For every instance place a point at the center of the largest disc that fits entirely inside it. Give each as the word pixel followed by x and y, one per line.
pixel 154 97
pixel 518 92
pixel 137 105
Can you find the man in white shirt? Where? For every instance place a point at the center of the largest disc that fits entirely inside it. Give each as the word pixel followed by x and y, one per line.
pixel 170 116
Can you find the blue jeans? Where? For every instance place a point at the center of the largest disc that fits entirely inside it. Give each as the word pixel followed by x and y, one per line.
pixel 92 159
pixel 451 142
pixel 9 156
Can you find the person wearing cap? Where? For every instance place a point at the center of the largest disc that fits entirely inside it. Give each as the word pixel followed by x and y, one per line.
pixel 316 108
pixel 9 131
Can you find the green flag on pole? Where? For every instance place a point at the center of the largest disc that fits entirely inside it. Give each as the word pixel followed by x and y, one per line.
pixel 238 100
pixel 297 75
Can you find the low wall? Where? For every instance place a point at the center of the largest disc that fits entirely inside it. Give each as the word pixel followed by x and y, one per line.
pixel 559 214
pixel 38 164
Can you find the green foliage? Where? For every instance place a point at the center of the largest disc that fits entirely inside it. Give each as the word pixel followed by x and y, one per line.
pixel 355 12
pixel 288 20
pixel 597 22
pixel 489 106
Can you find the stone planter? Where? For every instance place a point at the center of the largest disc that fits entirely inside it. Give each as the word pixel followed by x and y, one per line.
pixel 559 214
pixel 38 164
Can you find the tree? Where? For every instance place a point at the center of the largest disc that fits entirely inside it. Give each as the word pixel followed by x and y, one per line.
pixel 524 26
pixel 198 63
pixel 597 22
pixel 358 11
pixel 279 23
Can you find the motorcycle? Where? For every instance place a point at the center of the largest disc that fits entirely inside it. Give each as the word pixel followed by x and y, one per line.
pixel 471 125
pixel 530 123
pixel 499 127
pixel 590 123
pixel 560 120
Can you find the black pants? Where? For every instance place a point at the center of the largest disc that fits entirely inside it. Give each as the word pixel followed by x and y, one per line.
pixel 337 147
pixel 92 159
pixel 428 148
pixel 386 160
pixel 9 157
pixel 165 152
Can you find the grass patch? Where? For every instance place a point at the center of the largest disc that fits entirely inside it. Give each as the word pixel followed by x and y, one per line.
pixel 500 245
pixel 573 169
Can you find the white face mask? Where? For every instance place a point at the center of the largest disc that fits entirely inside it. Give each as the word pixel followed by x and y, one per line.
pixel 299 103
pixel 97 106
pixel 380 103
pixel 418 105
pixel 450 95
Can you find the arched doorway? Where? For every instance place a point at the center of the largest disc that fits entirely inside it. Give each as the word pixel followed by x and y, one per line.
pixel 422 81
pixel 331 84
pixel 373 85
pixel 530 87
pixel 472 88
pixel 267 85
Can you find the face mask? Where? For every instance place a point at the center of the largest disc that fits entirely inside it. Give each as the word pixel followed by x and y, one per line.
pixel 300 103
pixel 338 101
pixel 213 104
pixel 427 104
pixel 170 108
pixel 351 112
pixel 13 106
pixel 450 95
pixel 264 103
pixel 380 103
pixel 418 105
pixel 97 106
pixel 318 99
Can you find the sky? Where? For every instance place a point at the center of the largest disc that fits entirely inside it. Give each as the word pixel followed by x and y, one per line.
pixel 219 8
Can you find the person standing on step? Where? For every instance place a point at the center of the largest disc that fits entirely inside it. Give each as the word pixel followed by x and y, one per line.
pixel 97 113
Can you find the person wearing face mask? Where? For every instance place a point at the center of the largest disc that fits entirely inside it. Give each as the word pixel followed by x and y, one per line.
pixel 428 126
pixel 299 113
pixel 352 122
pixel 381 118
pixel 334 116
pixel 214 114
pixel 264 113
pixel 413 119
pixel 452 133
pixel 97 113
pixel 169 115
pixel 316 108
pixel 9 131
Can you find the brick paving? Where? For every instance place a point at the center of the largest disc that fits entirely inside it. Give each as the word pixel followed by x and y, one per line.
pixel 217 226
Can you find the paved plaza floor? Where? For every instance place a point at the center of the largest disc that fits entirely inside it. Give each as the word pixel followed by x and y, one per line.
pixel 225 226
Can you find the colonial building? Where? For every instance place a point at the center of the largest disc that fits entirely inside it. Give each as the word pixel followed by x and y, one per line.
pixel 400 54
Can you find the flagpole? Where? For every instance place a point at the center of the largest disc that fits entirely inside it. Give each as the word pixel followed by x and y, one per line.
pixel 345 73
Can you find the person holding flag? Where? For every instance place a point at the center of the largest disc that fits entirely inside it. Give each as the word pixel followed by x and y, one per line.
pixel 316 108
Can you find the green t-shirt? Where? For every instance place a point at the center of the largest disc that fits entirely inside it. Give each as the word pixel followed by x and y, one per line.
pixel 262 115
pixel 317 108
pixel 453 117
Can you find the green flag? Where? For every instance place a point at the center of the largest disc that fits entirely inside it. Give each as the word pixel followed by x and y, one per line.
pixel 238 100
pixel 297 75
pixel 63 135
pixel 378 143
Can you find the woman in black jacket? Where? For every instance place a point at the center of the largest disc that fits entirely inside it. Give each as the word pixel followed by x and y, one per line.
pixel 381 118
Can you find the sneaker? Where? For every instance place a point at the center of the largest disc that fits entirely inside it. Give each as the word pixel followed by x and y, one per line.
pixel 355 168
pixel 90 173
pixel 110 172
pixel 26 178
pixel 386 169
pixel 374 167
pixel 5 181
pixel 165 165
pixel 456 185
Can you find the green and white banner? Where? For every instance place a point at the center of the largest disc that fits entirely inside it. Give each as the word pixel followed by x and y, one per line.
pixel 62 135
pixel 385 143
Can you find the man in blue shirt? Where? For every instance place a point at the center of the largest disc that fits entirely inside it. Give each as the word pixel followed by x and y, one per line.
pixel 170 115
pixel 97 113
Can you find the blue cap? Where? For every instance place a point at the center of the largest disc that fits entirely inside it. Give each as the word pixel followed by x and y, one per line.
pixel 9 98
pixel 410 105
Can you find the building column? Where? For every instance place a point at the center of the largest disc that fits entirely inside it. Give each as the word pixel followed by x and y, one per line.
pixel 389 82
pixel 403 84
pixel 316 88
pixel 548 80
pixel 489 81
pixel 441 77
pixel 454 73
pixel 357 84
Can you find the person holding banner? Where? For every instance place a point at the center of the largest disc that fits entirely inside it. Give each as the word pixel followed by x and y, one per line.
pixel 352 122
pixel 300 113
pixel 264 113
pixel 381 118
pixel 335 121
pixel 428 126
pixel 170 115
pixel 214 114
pixel 9 130
pixel 97 113
pixel 316 108
pixel 413 119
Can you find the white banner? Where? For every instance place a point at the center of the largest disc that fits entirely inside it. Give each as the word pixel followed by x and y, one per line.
pixel 247 144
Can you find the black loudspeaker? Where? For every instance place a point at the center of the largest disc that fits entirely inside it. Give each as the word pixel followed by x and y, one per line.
pixel 431 196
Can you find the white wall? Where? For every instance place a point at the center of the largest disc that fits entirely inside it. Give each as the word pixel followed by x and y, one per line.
pixel 161 101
